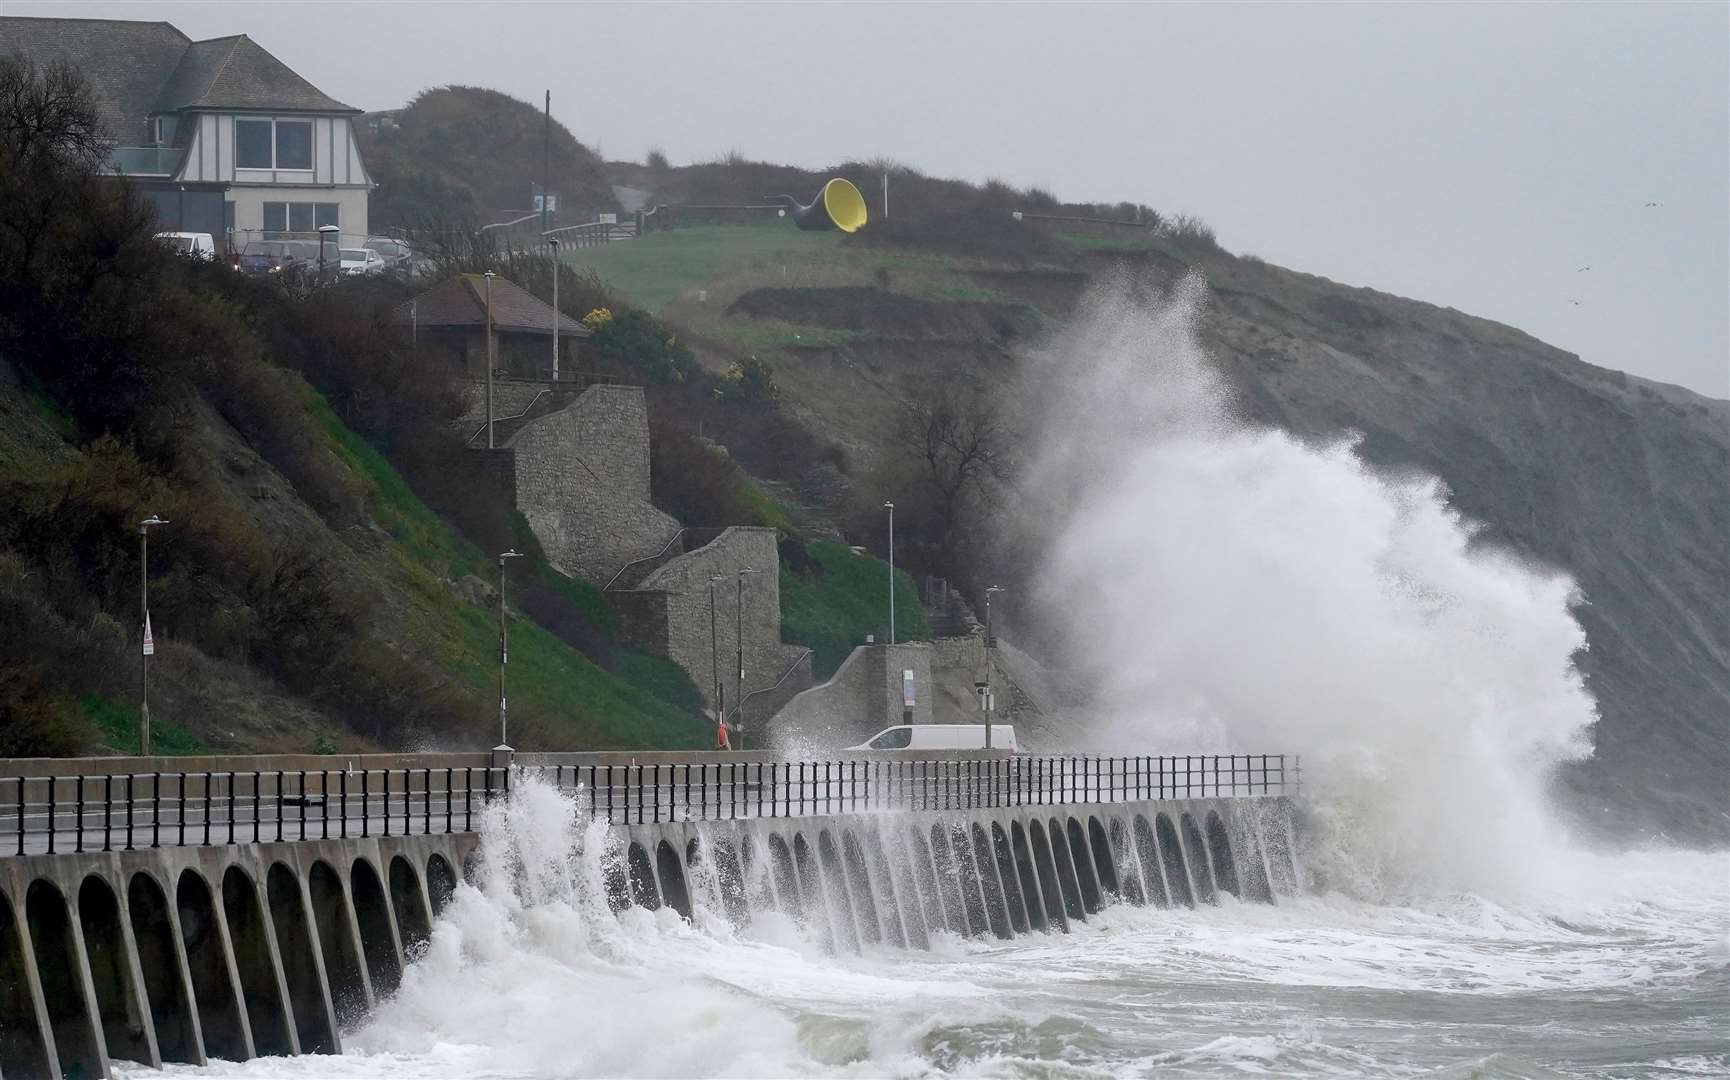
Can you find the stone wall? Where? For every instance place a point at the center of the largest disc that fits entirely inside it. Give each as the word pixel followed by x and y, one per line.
pixel 668 613
pixel 582 481
pixel 863 697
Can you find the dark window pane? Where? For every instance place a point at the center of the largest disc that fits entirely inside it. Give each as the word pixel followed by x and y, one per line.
pixel 252 144
pixel 275 217
pixel 327 213
pixel 294 144
pixel 299 217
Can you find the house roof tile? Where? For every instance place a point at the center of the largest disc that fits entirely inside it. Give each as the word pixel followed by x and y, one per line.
pixel 461 301
pixel 238 73
pixel 125 62
pixel 139 69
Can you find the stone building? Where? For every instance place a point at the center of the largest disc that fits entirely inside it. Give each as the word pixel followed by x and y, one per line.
pixel 668 612
pixel 877 686
pixel 448 324
pixel 574 461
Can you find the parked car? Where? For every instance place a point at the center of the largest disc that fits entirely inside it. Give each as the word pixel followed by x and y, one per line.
pixel 398 256
pixel 941 737
pixel 279 256
pixel 361 260
pixel 193 245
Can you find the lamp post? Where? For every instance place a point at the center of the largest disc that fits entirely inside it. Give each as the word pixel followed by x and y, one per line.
pixel 891 508
pixel 988 704
pixel 739 634
pixel 325 232
pixel 715 656
pixel 490 364
pixel 149 644
pixel 504 651
pixel 555 243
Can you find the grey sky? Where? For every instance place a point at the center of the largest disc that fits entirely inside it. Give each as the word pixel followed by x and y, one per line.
pixel 1469 155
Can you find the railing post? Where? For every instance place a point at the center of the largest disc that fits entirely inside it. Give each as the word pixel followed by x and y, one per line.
pixel 52 782
pixel 21 815
pixel 78 832
pixel 107 812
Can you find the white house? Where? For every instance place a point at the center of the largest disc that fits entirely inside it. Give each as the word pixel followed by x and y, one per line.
pixel 195 120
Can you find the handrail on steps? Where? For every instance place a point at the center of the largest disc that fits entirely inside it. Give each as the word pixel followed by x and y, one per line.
pixel 644 559
pixel 515 416
pixel 800 659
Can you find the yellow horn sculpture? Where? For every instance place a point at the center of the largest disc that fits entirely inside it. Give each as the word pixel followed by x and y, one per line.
pixel 838 206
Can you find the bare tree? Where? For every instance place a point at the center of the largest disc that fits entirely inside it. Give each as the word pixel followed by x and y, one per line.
pixel 956 437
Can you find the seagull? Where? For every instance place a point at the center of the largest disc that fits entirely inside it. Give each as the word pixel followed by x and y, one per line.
pixel 1576 303
pixel 1582 269
pixel 1654 204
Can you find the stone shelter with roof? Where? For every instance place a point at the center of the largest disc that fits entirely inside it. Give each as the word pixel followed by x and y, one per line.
pixel 221 135
pixel 448 323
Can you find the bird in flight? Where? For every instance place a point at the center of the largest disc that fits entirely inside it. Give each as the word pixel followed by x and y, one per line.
pixel 1654 204
pixel 1582 269
pixel 1576 303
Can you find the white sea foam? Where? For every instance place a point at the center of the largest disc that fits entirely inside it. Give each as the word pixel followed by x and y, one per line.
pixel 1230 588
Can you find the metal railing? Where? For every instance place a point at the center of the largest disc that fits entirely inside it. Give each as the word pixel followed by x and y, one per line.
pixel 128 811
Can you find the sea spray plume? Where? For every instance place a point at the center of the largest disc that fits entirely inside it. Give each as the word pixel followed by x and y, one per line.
pixel 1232 588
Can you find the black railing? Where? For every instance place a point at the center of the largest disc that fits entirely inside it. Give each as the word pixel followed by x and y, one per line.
pixel 127 811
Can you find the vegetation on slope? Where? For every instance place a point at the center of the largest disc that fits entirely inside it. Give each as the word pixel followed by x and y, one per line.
pixel 456 154
pixel 833 598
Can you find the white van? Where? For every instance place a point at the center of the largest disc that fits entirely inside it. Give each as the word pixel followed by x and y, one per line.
pixel 193 245
pixel 941 737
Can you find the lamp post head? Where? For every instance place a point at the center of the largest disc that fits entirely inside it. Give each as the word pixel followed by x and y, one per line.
pixel 152 520
pixel 748 570
pixel 989 589
pixel 888 506
pixel 488 275
pixel 554 241
pixel 512 554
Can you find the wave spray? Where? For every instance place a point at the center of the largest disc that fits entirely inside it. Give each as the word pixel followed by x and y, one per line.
pixel 1230 587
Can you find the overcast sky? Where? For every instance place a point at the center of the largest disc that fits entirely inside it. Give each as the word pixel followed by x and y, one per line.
pixel 1475 156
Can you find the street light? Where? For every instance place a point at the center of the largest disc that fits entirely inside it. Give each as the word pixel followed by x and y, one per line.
pixel 988 703
pixel 555 243
pixel 324 232
pixel 739 612
pixel 891 508
pixel 715 657
pixel 490 364
pixel 149 646
pixel 504 649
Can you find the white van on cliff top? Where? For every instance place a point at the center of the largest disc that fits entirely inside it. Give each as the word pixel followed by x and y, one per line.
pixel 941 737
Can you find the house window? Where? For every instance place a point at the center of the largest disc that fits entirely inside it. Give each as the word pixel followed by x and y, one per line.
pixel 300 217
pixel 252 144
pixel 294 144
pixel 273 144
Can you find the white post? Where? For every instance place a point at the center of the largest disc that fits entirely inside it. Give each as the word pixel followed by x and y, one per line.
pixel 490 364
pixel 891 508
pixel 555 243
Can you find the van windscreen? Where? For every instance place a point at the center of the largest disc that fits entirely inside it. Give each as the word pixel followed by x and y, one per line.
pixel 894 739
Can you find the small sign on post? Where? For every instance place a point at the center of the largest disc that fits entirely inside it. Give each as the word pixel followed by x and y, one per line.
pixel 907 688
pixel 149 641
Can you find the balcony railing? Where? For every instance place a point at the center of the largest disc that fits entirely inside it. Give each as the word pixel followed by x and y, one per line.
pixel 146 160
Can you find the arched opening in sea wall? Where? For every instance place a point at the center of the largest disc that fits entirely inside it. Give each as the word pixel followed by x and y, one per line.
pixel 22 1049
pixel 167 984
pixel 265 1009
pixel 349 994
pixel 300 964
pixel 111 972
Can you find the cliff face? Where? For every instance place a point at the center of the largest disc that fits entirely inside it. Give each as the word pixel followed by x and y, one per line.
pixel 1623 483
